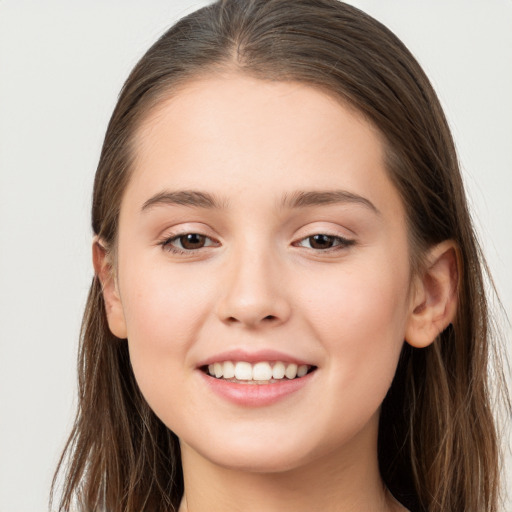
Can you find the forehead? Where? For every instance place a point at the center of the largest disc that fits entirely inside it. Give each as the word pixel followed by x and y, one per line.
pixel 252 110
pixel 239 136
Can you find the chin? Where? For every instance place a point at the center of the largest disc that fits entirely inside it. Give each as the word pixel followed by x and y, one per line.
pixel 259 453
pixel 261 461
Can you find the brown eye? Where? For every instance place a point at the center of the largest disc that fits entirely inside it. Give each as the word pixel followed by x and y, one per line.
pixel 321 241
pixel 192 241
pixel 324 242
pixel 187 243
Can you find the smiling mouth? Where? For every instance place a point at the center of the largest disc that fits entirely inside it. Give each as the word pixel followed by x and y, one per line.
pixel 242 372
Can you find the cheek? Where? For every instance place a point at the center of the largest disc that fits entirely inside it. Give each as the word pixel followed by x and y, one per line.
pixel 361 320
pixel 164 311
pixel 363 298
pixel 162 305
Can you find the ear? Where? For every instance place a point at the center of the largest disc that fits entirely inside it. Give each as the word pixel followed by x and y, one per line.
pixel 434 297
pixel 105 273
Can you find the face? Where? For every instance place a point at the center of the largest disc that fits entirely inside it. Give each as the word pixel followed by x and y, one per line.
pixel 260 234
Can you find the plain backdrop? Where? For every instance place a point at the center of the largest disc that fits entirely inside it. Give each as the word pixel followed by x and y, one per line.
pixel 62 64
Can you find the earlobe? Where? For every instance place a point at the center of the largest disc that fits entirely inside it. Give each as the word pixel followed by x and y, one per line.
pixel 113 306
pixel 434 301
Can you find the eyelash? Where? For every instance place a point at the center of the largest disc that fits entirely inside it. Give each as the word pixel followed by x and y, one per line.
pixel 166 243
pixel 341 243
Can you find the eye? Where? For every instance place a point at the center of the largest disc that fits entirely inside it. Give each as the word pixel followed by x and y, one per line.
pixel 187 242
pixel 322 241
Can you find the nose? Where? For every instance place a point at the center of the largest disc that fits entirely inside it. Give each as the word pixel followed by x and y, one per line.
pixel 254 293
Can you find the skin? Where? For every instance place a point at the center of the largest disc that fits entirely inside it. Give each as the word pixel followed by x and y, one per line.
pixel 260 282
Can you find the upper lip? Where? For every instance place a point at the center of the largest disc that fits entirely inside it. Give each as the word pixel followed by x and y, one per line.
pixel 269 355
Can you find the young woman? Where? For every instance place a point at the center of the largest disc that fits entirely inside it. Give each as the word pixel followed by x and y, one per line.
pixel 288 311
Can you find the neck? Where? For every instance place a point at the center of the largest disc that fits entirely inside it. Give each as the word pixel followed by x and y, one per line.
pixel 341 480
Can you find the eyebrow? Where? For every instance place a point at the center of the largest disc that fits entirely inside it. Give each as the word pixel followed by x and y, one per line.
pixel 191 198
pixel 298 199
pixel 302 199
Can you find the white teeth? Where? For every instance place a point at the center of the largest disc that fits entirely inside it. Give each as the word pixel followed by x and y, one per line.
pixel 278 370
pixel 291 371
pixel 217 368
pixel 243 371
pixel 259 372
pixel 229 370
pixel 302 370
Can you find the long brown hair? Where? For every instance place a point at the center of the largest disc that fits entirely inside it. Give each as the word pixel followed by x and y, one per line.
pixel 438 443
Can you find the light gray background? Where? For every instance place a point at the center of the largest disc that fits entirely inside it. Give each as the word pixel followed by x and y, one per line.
pixel 62 64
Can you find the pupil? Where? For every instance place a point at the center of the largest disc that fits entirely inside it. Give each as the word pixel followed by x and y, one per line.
pixel 321 241
pixel 192 241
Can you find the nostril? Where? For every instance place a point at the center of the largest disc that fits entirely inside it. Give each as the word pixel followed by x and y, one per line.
pixel 233 319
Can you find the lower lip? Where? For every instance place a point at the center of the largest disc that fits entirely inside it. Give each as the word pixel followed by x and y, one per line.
pixel 255 395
